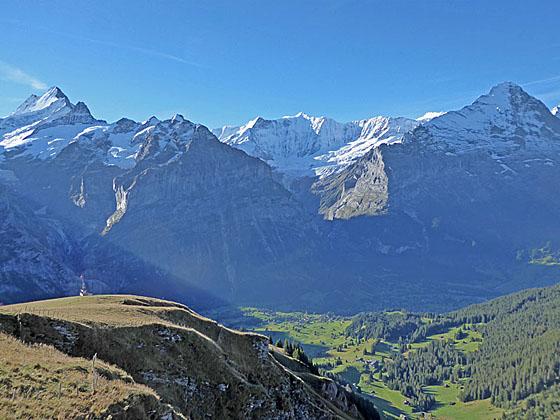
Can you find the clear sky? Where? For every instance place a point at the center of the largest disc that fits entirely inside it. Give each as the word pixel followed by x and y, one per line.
pixel 225 62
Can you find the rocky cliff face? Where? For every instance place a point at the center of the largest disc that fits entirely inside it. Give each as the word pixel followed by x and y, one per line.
pixel 44 256
pixel 197 366
pixel 35 252
pixel 361 190
pixel 211 212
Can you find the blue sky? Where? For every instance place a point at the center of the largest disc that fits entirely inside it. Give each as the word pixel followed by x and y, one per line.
pixel 224 62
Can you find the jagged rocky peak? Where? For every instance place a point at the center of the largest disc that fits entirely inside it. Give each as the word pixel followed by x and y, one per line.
pixel 154 138
pixel 125 125
pixel 81 108
pixel 174 126
pixel 511 101
pixel 177 118
pixel 32 127
pixel 26 105
pixel 80 113
pixel 505 89
pixel 55 93
pixel 51 106
pixel 53 98
pixel 316 123
pixel 153 120
pixel 508 96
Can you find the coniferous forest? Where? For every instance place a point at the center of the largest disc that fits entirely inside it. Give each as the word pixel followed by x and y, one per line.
pixel 517 358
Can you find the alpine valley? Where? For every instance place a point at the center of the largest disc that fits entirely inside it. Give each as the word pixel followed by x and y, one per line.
pixel 297 213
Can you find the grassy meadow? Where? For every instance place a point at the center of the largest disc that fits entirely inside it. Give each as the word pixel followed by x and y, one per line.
pixel 324 338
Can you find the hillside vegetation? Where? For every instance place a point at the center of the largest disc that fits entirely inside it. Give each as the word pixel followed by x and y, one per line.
pixel 195 365
pixel 484 361
pixel 38 380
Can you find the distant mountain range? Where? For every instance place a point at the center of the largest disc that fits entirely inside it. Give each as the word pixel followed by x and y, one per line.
pixel 300 212
pixel 302 145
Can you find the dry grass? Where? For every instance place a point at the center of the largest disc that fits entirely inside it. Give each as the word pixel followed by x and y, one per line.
pixel 40 381
pixel 127 330
pixel 114 310
pixel 191 362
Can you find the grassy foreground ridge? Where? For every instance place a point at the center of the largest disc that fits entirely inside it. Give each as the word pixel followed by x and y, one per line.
pixel 133 357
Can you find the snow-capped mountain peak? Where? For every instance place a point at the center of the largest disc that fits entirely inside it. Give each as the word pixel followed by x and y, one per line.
pixel 81 109
pixel 556 111
pixel 151 121
pixel 304 145
pixel 504 120
pixel 125 142
pixel 52 106
pixel 26 105
pixel 43 125
pixel 504 96
pixel 177 118
pixel 430 115
pixel 53 99
pixel 300 114
pixel 505 89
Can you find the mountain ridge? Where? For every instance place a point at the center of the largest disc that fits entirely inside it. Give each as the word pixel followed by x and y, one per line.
pixel 396 209
pixel 303 145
